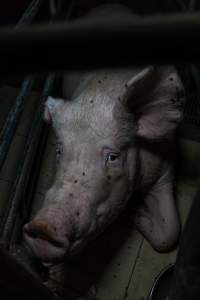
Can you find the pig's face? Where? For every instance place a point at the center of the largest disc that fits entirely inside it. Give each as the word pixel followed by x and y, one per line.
pixel 96 165
pixel 97 169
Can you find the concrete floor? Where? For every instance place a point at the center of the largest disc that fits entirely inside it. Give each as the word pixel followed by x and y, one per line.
pixel 120 264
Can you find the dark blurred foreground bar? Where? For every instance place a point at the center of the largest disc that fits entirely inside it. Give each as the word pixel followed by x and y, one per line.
pixel 16 282
pixel 186 279
pixel 93 43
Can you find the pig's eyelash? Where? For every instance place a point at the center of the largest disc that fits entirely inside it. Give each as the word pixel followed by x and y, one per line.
pixel 112 157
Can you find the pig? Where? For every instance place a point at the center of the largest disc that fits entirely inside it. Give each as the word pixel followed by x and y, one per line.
pixel 116 142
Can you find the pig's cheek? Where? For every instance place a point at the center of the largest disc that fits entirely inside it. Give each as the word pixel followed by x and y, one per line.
pixel 102 213
pixel 49 197
pixel 81 240
pixel 92 227
pixel 83 222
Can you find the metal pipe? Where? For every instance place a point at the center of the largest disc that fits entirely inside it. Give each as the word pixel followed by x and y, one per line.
pixel 18 191
pixel 96 43
pixel 10 125
pixel 11 122
pixel 30 13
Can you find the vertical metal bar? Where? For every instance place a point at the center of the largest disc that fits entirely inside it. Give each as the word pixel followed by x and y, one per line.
pixel 192 5
pixel 30 13
pixel 18 192
pixel 181 5
pixel 10 125
pixel 186 278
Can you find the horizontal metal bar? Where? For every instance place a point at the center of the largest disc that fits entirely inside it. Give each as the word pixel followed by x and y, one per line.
pixel 95 43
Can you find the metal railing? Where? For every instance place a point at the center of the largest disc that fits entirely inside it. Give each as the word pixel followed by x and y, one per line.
pixel 16 200
pixel 110 42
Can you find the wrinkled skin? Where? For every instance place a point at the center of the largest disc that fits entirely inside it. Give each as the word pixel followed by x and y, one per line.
pixel 115 137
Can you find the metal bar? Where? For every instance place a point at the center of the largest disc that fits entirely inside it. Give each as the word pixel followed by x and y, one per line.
pixel 34 170
pixel 10 125
pixel 18 192
pixel 187 269
pixel 16 282
pixel 96 43
pixel 192 5
pixel 181 4
pixel 30 13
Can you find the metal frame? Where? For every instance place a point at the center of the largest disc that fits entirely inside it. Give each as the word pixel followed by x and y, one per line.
pixel 8 131
pixel 96 43
pixel 16 199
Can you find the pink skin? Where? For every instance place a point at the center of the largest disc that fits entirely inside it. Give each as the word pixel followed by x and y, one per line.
pixel 116 137
pixel 47 239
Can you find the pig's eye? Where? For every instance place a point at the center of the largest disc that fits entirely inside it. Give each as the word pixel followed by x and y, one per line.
pixel 59 150
pixel 112 158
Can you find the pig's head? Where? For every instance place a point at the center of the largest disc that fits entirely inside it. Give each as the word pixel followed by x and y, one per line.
pixel 98 154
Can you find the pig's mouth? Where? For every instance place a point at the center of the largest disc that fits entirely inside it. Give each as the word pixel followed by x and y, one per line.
pixel 44 245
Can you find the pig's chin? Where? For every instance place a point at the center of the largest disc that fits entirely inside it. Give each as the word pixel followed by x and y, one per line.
pixel 45 250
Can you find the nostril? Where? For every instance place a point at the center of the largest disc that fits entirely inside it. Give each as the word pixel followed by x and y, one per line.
pixel 40 229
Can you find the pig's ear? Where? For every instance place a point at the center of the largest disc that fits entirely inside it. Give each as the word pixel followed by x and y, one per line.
pixel 51 107
pixel 155 96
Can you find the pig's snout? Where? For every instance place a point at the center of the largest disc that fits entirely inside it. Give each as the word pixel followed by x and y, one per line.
pixel 43 230
pixel 45 240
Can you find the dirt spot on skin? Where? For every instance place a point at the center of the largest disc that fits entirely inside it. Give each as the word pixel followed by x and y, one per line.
pixel 83 173
pixel 75 181
pixel 109 177
pixel 99 81
pixel 171 79
pixel 91 101
pixel 71 195
pixel 78 213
